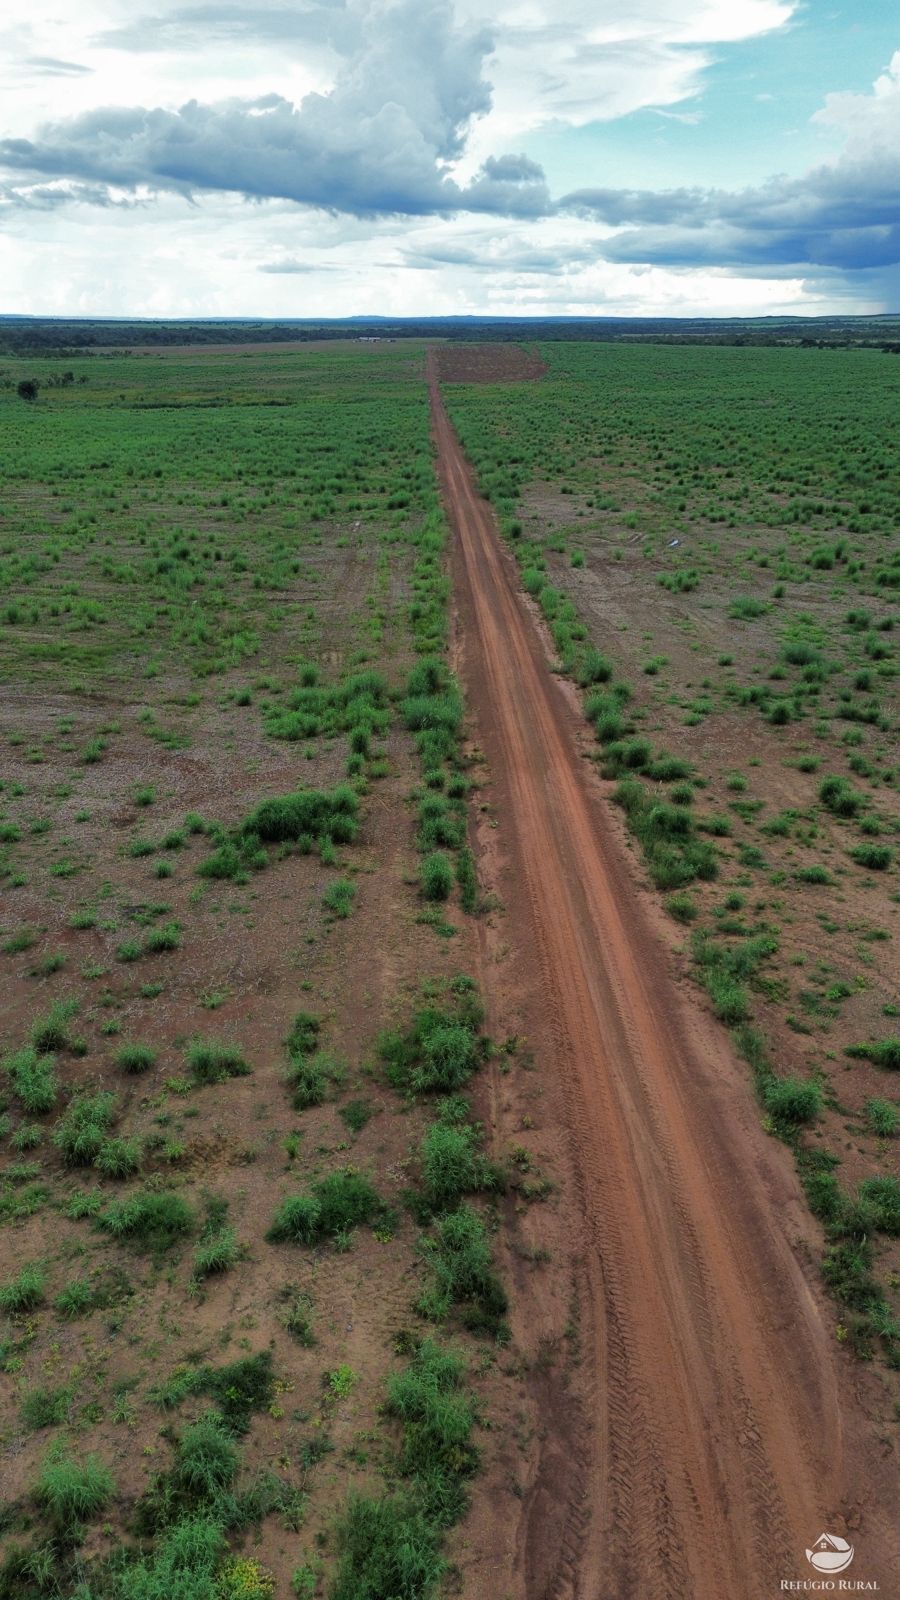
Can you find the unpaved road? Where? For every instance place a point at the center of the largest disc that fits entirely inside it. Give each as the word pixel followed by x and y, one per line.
pixel 722 1432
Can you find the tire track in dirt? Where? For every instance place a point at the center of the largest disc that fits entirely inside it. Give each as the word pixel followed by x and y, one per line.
pixel 723 1435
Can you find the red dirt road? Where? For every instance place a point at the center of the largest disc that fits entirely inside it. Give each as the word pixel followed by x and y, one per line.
pixel 722 1431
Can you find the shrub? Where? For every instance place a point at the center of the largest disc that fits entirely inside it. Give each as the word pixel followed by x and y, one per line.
pixel 876 857
pixel 135 1057
pixel 793 1100
pixel 335 1204
pixel 45 1408
pixel 217 1254
pixel 452 1166
pixel 884 1052
pixel 339 896
pixel 389 1550
pixel 33 1079
pixel 311 1078
pixel 838 797
pixel 436 875
pixel 118 1158
pixel 74 1491
pixel 240 1388
pixel 51 1032
pixel 213 1061
pixel 24 1291
pixel 459 1255
pixel 594 668
pixel 206 1460
pixel 82 1130
pixel 168 937
pixel 154 1220
pixel 437 824
pixel 881 1198
pixel 883 1117
pixel 438 1417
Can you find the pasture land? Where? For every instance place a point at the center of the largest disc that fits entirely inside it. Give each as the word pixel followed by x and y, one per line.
pixel 247 1284
pixel 712 539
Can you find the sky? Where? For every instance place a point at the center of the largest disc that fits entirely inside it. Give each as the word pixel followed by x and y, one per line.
pixel 309 158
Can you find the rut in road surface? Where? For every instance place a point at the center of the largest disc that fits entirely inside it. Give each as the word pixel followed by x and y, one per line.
pixel 722 1434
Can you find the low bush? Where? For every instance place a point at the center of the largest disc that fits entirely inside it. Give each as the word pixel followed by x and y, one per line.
pixel 389 1550
pixel 23 1292
pixel 436 876
pixel 881 1198
pixel 452 1166
pixel 33 1079
pixel 459 1256
pixel 154 1220
pixel 884 1052
pixel 135 1058
pixel 335 1204
pixel 74 1491
pixel 82 1130
pixel 213 1061
pixel 793 1100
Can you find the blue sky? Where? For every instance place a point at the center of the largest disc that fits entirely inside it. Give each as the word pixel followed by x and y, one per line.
pixel 332 157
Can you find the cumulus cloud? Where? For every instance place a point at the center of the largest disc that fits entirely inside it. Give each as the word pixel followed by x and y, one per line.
pixel 382 141
pixel 844 214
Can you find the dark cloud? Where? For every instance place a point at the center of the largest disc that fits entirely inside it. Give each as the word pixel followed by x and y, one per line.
pixel 844 216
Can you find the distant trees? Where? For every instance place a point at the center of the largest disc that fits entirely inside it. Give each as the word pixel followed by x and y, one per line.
pixel 28 389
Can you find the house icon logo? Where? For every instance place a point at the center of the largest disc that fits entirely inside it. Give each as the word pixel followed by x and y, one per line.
pixel 830 1553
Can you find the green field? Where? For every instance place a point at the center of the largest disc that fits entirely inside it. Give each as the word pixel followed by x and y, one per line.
pixel 247 1279
pixel 712 537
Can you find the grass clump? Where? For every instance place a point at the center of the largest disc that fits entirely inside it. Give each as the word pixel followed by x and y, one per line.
pixel 45 1407
pixel 336 1204
pixel 154 1220
pixel 339 897
pixel 23 1292
pixel 875 857
pixel 390 1550
pixel 216 1254
pixel 313 813
pixel 438 1416
pixel 839 797
pixel 135 1058
pixel 436 1055
pixel 793 1100
pixel 884 1052
pixel 436 876
pixel 213 1061
pixel 881 1198
pixel 82 1131
pixel 452 1166
pixel 882 1117
pixel 459 1255
pixel 74 1491
pixel 33 1079
pixel 51 1032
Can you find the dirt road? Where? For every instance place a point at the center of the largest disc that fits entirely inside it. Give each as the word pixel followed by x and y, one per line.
pixel 722 1434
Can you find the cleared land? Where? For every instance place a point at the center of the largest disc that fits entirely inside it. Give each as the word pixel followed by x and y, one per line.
pixel 316 1281
pixel 720 1425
